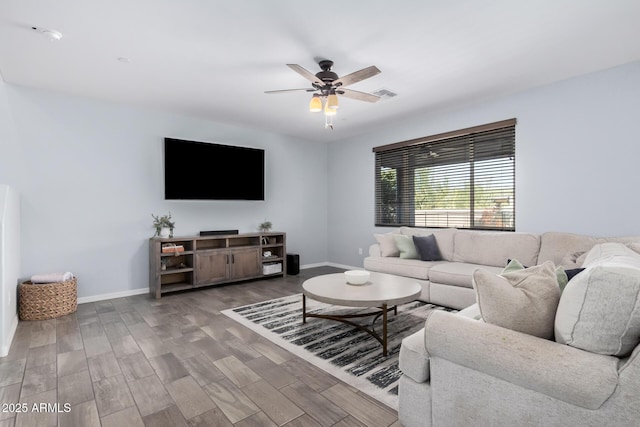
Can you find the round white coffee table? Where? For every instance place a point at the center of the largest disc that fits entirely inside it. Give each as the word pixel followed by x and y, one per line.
pixel 382 291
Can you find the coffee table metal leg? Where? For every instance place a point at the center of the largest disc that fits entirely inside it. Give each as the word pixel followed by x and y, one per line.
pixel 384 329
pixel 304 308
pixel 383 311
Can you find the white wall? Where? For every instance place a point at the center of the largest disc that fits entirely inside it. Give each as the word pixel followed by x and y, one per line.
pixel 577 157
pixel 9 264
pixel 93 175
pixel 9 227
pixel 90 175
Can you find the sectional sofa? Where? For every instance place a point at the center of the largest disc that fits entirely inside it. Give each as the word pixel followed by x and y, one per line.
pixel 477 367
pixel 448 281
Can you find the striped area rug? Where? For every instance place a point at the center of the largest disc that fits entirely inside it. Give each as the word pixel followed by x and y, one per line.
pixel 342 350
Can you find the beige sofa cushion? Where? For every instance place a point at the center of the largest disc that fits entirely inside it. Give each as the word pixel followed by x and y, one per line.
pixel 471 312
pixel 521 300
pixel 444 238
pixel 557 247
pixel 569 250
pixel 402 267
pixel 599 310
pixel 495 248
pixel 457 273
pixel 573 260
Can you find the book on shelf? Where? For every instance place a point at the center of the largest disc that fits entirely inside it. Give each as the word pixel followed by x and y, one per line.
pixel 172 248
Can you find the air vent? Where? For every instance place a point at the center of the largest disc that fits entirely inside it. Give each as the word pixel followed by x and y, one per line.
pixel 384 93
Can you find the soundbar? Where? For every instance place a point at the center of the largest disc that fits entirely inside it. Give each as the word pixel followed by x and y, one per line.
pixel 217 232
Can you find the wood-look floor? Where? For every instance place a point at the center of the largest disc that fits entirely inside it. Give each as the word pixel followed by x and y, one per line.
pixel 177 361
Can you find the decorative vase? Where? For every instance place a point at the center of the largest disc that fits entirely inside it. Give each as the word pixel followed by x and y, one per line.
pixel 165 232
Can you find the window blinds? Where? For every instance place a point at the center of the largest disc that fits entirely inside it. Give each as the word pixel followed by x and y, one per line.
pixel 463 179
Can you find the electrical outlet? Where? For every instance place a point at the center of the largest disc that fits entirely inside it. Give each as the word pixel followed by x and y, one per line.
pixel 359 251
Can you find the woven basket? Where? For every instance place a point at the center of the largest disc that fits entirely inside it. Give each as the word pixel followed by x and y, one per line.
pixel 47 301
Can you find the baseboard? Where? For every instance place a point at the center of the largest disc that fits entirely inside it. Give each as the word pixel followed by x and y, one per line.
pixel 318 264
pixel 329 264
pixel 4 349
pixel 140 291
pixel 346 267
pixel 102 297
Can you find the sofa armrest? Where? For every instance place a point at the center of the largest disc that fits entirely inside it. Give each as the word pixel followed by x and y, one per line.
pixel 556 370
pixel 414 359
pixel 374 250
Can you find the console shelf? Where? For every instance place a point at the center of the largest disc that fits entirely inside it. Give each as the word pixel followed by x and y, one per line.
pixel 200 261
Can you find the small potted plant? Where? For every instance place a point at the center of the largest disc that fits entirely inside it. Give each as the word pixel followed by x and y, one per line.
pixel 163 225
pixel 265 227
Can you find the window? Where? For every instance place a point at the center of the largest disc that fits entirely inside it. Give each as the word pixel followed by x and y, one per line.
pixel 462 179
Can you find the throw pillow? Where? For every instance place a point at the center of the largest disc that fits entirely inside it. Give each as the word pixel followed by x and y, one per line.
pixel 561 274
pixel 427 247
pixel 606 253
pixel 406 247
pixel 573 273
pixel 387 244
pixel 562 277
pixel 513 265
pixel 599 310
pixel 522 300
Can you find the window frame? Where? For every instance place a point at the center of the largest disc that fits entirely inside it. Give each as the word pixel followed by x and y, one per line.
pixel 404 211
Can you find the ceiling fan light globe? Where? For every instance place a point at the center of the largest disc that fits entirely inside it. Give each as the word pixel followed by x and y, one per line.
pixel 315 105
pixel 329 111
pixel 332 101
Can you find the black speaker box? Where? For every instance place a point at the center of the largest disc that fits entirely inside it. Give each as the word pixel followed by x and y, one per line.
pixel 217 232
pixel 293 264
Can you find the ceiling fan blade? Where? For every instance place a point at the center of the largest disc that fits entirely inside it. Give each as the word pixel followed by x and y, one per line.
pixel 290 90
pixel 306 74
pixel 357 76
pixel 360 96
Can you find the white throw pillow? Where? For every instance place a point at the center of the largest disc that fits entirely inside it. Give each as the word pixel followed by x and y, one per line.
pixel 611 252
pixel 387 244
pixel 522 300
pixel 599 311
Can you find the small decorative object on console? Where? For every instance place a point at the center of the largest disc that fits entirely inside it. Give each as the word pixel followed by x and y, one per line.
pixel 163 225
pixel 265 226
pixel 170 247
pixel 272 268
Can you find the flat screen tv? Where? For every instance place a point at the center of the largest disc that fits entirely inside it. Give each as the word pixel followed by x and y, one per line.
pixel 204 171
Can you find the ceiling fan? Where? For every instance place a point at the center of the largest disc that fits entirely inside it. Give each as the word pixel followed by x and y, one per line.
pixel 326 86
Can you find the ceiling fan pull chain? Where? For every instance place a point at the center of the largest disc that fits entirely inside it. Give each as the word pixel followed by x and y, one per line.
pixel 328 122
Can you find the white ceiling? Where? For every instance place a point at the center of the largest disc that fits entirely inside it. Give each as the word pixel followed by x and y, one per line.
pixel 215 59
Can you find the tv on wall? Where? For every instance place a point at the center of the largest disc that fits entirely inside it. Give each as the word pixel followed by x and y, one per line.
pixel 204 171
